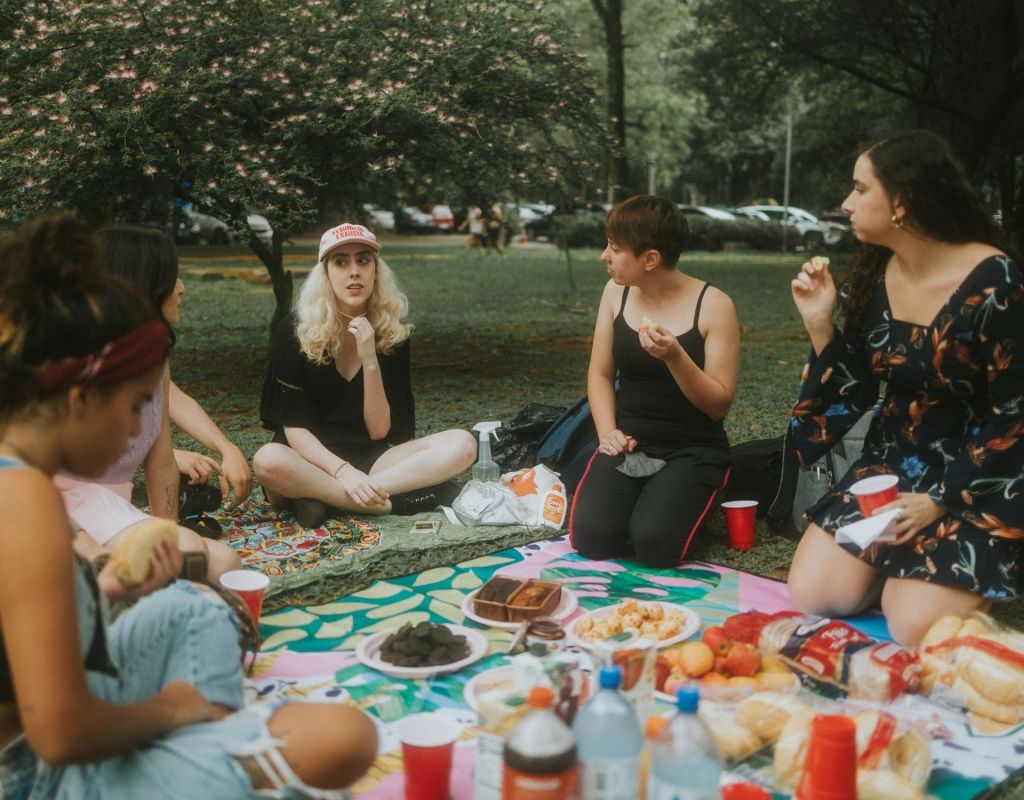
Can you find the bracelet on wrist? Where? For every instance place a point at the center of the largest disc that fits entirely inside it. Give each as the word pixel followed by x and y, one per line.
pixel 339 469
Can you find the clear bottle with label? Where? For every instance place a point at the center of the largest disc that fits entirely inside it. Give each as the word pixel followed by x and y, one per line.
pixel 540 754
pixel 685 764
pixel 608 742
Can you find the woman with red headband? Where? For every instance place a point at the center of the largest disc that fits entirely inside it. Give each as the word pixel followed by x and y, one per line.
pixel 150 706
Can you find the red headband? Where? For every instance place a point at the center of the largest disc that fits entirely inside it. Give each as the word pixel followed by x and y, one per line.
pixel 134 354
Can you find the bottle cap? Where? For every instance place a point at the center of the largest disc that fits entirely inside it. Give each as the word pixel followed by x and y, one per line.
pixel 610 676
pixel 540 697
pixel 744 791
pixel 687 699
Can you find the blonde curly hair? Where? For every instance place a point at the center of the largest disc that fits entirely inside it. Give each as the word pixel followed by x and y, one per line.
pixel 321 329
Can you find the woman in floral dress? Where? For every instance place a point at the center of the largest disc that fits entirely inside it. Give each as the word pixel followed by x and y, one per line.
pixel 933 311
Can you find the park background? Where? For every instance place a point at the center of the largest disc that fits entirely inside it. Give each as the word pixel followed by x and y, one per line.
pixel 305 112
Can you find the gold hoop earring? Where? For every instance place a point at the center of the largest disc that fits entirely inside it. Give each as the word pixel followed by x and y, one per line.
pixel 897 222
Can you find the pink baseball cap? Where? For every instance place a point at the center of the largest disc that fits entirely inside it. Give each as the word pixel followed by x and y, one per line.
pixel 346 233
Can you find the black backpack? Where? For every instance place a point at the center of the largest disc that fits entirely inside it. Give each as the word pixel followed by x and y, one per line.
pixel 756 471
pixel 569 443
pixel 514 444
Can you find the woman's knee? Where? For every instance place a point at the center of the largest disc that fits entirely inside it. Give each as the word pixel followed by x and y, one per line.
pixel 272 463
pixel 462 445
pixel 327 745
pixel 220 557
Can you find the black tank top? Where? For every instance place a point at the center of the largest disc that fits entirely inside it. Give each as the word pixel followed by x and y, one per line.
pixel 649 405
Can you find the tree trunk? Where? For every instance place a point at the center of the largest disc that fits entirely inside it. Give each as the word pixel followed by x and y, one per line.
pixel 280 279
pixel 610 12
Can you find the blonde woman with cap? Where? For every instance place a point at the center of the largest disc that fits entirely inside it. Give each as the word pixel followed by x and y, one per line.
pixel 338 396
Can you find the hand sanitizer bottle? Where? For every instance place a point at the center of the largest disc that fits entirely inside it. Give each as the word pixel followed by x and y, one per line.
pixel 485 469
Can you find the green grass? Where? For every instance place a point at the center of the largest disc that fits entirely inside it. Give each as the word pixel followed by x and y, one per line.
pixel 493 334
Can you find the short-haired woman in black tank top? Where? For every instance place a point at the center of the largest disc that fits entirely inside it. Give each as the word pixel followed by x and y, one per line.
pixel 672 341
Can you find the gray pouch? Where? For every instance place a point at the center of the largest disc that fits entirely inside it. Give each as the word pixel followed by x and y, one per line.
pixel 639 465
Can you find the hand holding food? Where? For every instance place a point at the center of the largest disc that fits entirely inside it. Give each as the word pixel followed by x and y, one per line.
pixel 132 555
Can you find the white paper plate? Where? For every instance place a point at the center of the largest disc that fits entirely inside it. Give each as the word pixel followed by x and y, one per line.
pixel 690 626
pixel 498 678
pixel 566 606
pixel 368 653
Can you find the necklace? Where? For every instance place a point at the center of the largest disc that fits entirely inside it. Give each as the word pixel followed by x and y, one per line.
pixel 351 316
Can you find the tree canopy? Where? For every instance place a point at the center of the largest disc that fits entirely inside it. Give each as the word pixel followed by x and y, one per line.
pixel 115 108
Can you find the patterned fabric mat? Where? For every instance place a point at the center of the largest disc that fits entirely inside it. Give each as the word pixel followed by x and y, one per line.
pixel 315 565
pixel 308 653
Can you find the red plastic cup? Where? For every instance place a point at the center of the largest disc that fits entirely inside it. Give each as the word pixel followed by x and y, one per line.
pixel 250 585
pixel 740 516
pixel 744 791
pixel 830 771
pixel 875 492
pixel 428 745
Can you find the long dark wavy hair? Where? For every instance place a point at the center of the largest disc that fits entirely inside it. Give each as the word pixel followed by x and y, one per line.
pixel 920 168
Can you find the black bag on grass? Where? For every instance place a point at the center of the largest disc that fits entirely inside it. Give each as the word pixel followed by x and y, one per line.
pixel 569 443
pixel 755 472
pixel 514 445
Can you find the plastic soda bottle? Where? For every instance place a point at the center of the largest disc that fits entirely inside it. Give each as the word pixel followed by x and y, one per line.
pixel 608 742
pixel 540 754
pixel 685 764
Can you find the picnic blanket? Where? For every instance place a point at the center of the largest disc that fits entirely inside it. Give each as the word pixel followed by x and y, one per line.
pixel 347 553
pixel 319 664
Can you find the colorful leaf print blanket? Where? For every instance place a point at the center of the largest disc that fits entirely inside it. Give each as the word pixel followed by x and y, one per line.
pixel 308 654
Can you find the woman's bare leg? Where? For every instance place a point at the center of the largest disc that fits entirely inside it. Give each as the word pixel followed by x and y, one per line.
pixel 424 462
pixel 911 606
pixel 826 581
pixel 285 475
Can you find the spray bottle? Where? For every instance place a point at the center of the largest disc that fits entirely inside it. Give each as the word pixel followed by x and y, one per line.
pixel 485 469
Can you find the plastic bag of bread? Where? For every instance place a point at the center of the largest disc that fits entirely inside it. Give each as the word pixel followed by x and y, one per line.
pixel 893 758
pixel 974 663
pixel 766 713
pixel 131 556
pixel 833 657
pixel 734 741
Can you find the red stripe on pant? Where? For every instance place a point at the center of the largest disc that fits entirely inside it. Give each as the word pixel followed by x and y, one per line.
pixel 576 496
pixel 704 513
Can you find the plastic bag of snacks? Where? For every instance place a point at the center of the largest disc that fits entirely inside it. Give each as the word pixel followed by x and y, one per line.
pixel 974 663
pixel 534 497
pixel 833 657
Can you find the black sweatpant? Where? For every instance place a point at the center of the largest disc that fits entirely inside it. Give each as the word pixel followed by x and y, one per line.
pixel 654 519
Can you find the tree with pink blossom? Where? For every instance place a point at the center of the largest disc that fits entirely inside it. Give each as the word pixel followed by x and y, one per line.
pixel 118 109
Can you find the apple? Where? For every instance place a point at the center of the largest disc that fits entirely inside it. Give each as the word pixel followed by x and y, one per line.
pixel 696 658
pixel 743 660
pixel 719 665
pixel 771 681
pixel 675 681
pixel 715 638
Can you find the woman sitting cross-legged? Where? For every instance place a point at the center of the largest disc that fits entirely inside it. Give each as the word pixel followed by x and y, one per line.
pixel 338 397
pixel 151 705
pixel 672 341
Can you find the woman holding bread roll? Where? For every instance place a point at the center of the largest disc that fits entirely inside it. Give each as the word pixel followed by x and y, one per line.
pixel 150 706
pixel 933 308
pixel 338 396
pixel 102 506
pixel 672 342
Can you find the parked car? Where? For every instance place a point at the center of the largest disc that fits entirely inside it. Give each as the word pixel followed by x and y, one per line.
pixel 708 211
pixel 839 222
pixel 440 216
pixel 216 231
pixel 380 219
pixel 409 219
pixel 810 231
pixel 185 227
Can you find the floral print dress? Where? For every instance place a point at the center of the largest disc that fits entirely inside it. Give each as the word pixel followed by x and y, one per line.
pixel 951 425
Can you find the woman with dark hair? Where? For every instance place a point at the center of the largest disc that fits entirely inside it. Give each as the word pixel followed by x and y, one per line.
pixel 151 705
pixel 672 341
pixel 101 506
pixel 934 309
pixel 148 257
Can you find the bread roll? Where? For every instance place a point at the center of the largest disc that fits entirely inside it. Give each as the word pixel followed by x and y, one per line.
pixel 766 713
pixel 996 678
pixel 886 743
pixel 791 748
pixel 735 742
pixel 980 704
pixel 880 784
pixel 131 555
